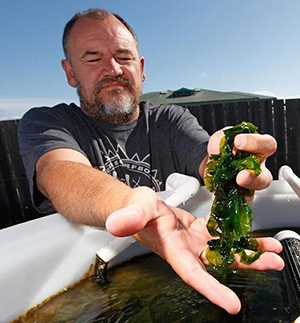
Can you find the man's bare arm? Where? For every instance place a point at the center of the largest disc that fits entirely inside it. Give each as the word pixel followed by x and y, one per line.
pixel 94 194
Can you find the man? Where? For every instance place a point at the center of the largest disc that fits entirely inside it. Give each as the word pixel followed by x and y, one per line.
pixel 96 164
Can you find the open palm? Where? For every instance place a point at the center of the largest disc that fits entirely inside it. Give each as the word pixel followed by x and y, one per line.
pixel 181 239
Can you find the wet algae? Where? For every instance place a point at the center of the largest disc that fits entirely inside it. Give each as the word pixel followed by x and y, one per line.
pixel 231 215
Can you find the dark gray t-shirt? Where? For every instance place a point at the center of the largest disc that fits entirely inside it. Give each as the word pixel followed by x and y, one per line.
pixel 163 140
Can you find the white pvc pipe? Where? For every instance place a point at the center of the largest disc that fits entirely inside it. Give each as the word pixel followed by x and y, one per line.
pixel 286 173
pixel 183 188
pixel 114 247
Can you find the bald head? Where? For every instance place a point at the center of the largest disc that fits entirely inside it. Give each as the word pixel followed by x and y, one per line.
pixel 98 14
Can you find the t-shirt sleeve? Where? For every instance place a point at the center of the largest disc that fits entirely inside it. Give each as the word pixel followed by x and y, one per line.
pixel 189 140
pixel 41 130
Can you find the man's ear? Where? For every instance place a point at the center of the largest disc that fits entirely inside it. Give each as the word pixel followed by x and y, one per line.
pixel 142 62
pixel 69 72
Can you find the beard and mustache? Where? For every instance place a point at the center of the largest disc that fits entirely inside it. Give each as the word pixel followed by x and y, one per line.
pixel 116 106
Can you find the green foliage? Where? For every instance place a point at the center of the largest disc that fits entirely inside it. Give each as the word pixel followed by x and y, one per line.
pixel 231 215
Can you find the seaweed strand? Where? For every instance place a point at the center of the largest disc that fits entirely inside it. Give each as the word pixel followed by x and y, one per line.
pixel 231 215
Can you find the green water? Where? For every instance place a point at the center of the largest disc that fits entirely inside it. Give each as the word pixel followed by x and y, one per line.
pixel 146 289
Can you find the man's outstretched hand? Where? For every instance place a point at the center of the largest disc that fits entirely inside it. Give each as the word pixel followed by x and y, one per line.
pixel 181 239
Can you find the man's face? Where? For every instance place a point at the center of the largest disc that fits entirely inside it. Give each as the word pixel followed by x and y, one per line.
pixel 105 68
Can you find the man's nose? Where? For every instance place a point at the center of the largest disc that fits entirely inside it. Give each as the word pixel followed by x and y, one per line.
pixel 112 67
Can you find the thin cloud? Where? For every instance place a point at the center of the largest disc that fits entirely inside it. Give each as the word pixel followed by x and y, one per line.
pixel 14 108
pixel 265 92
pixel 279 97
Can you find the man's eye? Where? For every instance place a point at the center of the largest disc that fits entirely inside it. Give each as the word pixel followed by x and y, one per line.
pixel 94 60
pixel 123 60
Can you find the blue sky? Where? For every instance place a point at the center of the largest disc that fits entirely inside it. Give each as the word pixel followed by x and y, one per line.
pixel 234 45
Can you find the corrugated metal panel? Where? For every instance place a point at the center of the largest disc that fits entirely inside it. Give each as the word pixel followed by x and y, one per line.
pixel 15 203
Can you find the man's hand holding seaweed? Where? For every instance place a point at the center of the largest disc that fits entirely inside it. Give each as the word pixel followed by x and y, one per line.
pixel 181 239
pixel 261 145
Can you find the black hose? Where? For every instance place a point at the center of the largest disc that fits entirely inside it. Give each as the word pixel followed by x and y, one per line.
pixel 290 241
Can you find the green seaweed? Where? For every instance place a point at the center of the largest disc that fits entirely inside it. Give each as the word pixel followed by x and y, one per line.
pixel 231 215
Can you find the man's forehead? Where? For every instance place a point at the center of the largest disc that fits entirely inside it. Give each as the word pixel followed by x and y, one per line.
pixel 100 28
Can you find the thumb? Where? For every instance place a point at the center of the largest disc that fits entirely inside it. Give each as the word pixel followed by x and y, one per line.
pixel 127 221
pixel 141 208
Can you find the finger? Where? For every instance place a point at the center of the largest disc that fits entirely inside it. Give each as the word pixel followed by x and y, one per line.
pixel 267 261
pixel 261 145
pixel 249 180
pixel 142 207
pixel 191 271
pixel 269 244
pixel 214 142
pixel 199 226
pixel 127 221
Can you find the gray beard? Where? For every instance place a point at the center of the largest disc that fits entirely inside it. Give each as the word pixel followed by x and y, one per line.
pixel 119 108
pixel 120 113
